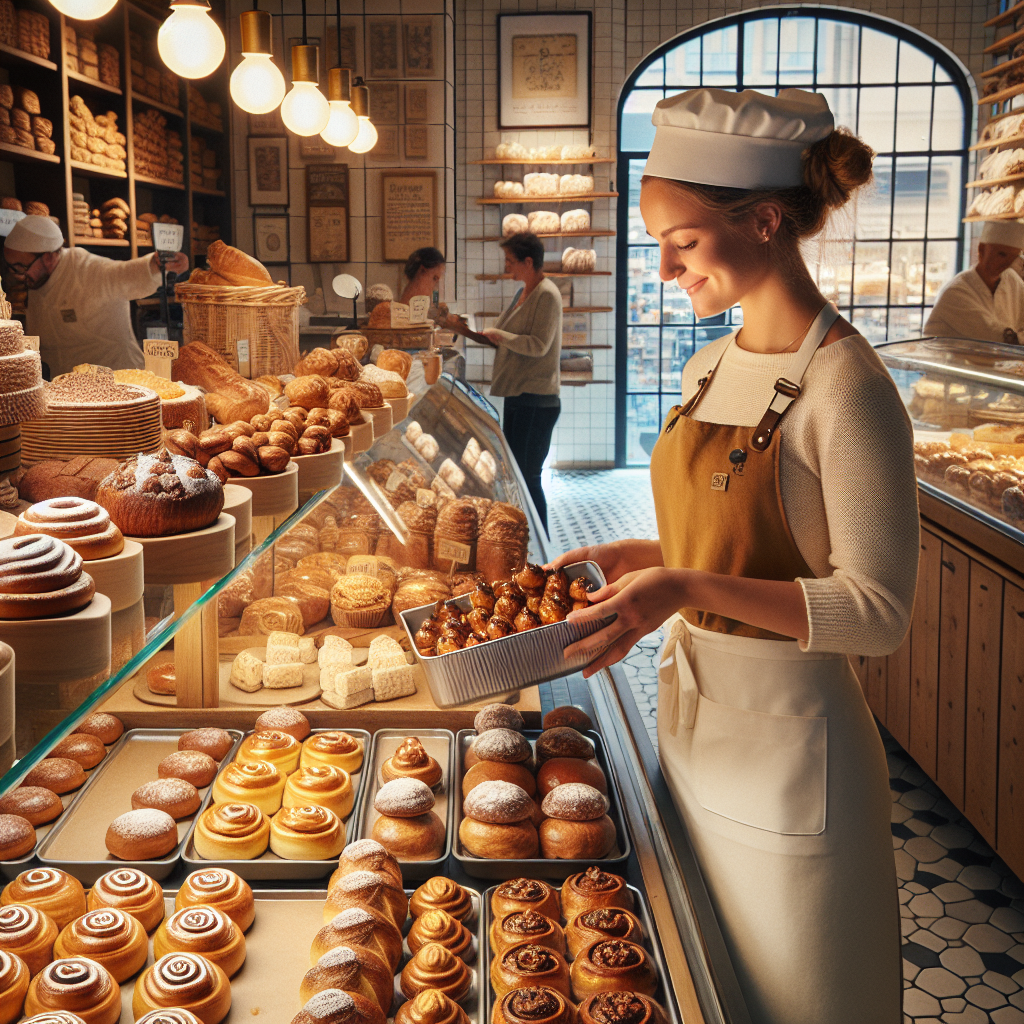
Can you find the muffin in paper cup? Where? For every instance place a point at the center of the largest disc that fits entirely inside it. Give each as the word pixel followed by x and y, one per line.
pixel 359 600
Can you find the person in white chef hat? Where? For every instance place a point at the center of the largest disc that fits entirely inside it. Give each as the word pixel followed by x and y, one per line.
pixel 985 302
pixel 788 536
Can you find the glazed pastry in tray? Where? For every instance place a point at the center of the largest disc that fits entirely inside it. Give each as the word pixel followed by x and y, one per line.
pixel 525 894
pixel 594 888
pixel 620 1008
pixel 603 923
pixel 533 1006
pixel 433 966
pixel 613 965
pixel 411 761
pixel 441 893
pixel 110 937
pixel 529 966
pixel 131 891
pixel 526 926
pixel 439 926
pixel 78 985
pixel 431 1007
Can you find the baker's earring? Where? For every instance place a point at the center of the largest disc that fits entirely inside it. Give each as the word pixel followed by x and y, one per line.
pixel 764 235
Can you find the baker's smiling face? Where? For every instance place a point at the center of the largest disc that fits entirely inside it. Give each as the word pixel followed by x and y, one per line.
pixel 716 263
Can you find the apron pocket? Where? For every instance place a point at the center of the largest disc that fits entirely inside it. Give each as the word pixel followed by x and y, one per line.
pixel 765 771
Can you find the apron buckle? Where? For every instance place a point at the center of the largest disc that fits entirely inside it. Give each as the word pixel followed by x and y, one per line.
pixel 788 388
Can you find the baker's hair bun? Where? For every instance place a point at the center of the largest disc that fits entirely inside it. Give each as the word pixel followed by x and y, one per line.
pixel 836 166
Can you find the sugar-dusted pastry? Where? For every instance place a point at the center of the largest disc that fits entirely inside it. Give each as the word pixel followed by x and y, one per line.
pixel 250 782
pixel 367 889
pixel 335 1006
pixel 17 837
pixel 59 774
pixel 439 926
pixel 59 895
pixel 286 720
pixel 29 933
pixel 433 966
pixel 78 985
pixel 333 747
pixel 235 831
pixel 368 855
pixel 603 923
pixel 593 888
pixel 407 825
pixel 499 745
pixel 441 893
pixel 529 966
pixel 33 803
pixel 220 888
pixel 212 741
pixel 351 969
pixel 109 936
pixel 360 928
pixel 204 930
pixel 576 825
pixel 142 835
pixel 498 716
pixel 14 979
pixel 306 833
pixel 82 524
pixel 41 576
pixel 520 894
pixel 184 980
pixel 191 765
pixel 175 796
pixel 411 761
pixel 323 785
pixel 526 926
pixel 132 891
pixel 107 728
pixel 613 965
pixel 278 748
pixel 88 751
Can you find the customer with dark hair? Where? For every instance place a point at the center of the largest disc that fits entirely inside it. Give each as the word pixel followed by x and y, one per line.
pixel 423 270
pixel 528 336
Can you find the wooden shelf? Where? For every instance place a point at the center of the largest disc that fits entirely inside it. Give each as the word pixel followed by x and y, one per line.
pixel 1002 96
pixel 112 243
pixel 565 383
pixel 94 83
pixel 1000 69
pixel 494 161
pixel 549 234
pixel 206 127
pixel 995 143
pixel 28 156
pixel 28 58
pixel 556 200
pixel 1006 17
pixel 567 309
pixel 158 183
pixel 547 273
pixel 156 104
pixel 992 182
pixel 200 190
pixel 1005 44
pixel 92 171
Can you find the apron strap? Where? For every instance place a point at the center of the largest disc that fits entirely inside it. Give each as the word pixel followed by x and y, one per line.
pixel 787 389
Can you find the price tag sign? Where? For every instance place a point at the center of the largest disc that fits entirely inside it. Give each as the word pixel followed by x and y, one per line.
pixel 160 354
pixel 242 350
pixel 418 306
pixel 452 551
pixel 167 237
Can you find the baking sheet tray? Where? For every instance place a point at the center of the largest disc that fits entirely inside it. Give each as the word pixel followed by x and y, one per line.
pixel 510 663
pixel 539 867
pixel 664 995
pixel 12 868
pixel 76 843
pixel 439 744
pixel 269 867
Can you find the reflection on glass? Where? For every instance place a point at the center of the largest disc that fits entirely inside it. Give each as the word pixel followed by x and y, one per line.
pixel 796 51
pixel 870 274
pixel 874 203
pixel 945 195
pixel 760 51
pixel 636 230
pixel 910 194
pixel 872 323
pixel 705 335
pixel 676 348
pixel 643 286
pixel 682 65
pixel 904 323
pixel 915 66
pixel 877 118
pixel 906 282
pixel 653 74
pixel 643 424
pixel 675 305
pixel 940 266
pixel 637 132
pixel 913 117
pixel 718 57
pixel 642 363
pixel 877 56
pixel 838 52
pixel 948 123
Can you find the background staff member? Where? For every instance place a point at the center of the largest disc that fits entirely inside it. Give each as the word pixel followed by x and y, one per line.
pixel 788 537
pixel 77 301
pixel 985 302
pixel 423 270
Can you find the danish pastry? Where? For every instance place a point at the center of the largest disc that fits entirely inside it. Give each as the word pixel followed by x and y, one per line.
pixel 533 1006
pixel 320 784
pixel 520 894
pixel 411 761
pixel 620 1008
pixel 603 923
pixel 335 748
pixel 594 888
pixel 27 932
pixel 526 926
pixel 82 524
pixel 277 748
pixel 431 1007
pixel 306 833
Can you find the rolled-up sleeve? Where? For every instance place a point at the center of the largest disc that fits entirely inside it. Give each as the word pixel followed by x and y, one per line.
pixel 543 328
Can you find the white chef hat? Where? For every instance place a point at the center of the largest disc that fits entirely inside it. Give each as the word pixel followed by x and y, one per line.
pixel 1003 232
pixel 737 139
pixel 34 234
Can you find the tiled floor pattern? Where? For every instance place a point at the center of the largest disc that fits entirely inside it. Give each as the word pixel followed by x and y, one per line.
pixel 962 909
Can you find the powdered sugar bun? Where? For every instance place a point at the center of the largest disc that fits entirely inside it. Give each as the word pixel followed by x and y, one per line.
pixel 59 774
pixel 288 720
pixel 176 797
pixel 36 804
pixel 502 745
pixel 17 837
pixel 142 834
pixel 403 798
pixel 574 801
pixel 499 803
pixel 82 524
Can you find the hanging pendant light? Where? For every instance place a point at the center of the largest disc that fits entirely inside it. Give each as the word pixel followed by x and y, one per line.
pixel 190 43
pixel 83 10
pixel 367 137
pixel 257 85
pixel 305 110
pixel 343 126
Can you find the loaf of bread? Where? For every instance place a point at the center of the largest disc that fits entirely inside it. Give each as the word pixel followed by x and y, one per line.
pixel 543 222
pixel 235 266
pixel 77 478
pixel 229 396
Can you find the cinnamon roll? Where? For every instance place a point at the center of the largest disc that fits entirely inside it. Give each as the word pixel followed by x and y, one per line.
pixel 613 965
pixel 620 1008
pixel 352 969
pixel 370 890
pixel 526 926
pixel 368 855
pixel 57 1017
pixel 185 981
pixel 111 937
pixel 29 933
pixel 14 979
pixel 333 1006
pixel 232 832
pixel 131 891
pixel 55 892
pixel 220 888
pixel 431 1006
pixel 322 784
pixel 533 1006
pixel 171 1016
pixel 306 833
pixel 594 888
pixel 411 761
pixel 433 966
pixel 604 923
pixel 279 748
pixel 79 985
pixel 82 524
pixel 439 926
pixel 204 930
pixel 529 966
pixel 333 747
pixel 441 893
pixel 259 783
pixel 525 894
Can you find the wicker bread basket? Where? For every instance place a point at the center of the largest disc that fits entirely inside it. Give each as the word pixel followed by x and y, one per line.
pixel 219 315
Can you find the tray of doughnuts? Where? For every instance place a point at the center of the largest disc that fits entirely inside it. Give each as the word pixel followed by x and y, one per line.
pixel 408 798
pixel 285 806
pixel 539 803
pixel 57 781
pixel 138 808
pixel 507 661
pixel 588 953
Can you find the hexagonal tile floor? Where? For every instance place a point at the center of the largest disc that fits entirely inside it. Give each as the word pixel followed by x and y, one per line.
pixel 962 909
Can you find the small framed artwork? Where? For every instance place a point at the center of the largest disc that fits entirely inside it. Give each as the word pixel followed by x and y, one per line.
pixel 416 104
pixel 416 142
pixel 384 103
pixel 419 48
pixel 268 172
pixel 270 231
pixel 351 40
pixel 312 147
pixel 327 205
pixel 387 143
pixel 267 124
pixel 408 212
pixel 544 70
pixel 384 48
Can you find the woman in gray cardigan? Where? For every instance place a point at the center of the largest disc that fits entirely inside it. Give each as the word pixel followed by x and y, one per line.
pixel 528 336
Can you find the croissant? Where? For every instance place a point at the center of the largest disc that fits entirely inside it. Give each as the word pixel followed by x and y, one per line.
pixel 333 1006
pixel 360 926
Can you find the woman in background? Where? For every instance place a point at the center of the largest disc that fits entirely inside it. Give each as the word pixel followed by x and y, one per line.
pixel 423 270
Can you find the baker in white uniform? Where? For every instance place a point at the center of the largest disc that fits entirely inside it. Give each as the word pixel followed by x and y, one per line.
pixel 986 302
pixel 78 301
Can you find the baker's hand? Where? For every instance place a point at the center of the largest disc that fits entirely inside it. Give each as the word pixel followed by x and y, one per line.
pixel 615 558
pixel 1010 336
pixel 177 264
pixel 640 601
pixel 493 336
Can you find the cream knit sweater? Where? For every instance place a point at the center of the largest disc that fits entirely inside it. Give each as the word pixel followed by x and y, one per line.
pixel 847 477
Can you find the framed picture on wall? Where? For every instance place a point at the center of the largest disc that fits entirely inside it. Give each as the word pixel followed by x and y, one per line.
pixel 416 104
pixel 270 230
pixel 267 124
pixel 327 205
pixel 268 172
pixel 415 142
pixel 419 48
pixel 351 46
pixel 544 70
pixel 384 103
pixel 384 48
pixel 387 143
pixel 408 212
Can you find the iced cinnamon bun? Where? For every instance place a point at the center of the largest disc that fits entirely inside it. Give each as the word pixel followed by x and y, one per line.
pixel 533 1006
pixel 14 979
pixel 131 891
pixel 433 966
pixel 334 747
pixel 217 887
pixel 411 761
pixel 41 576
pixel 231 832
pixel 27 932
pixel 185 981
pixel 613 965
pixel 306 833
pixel 111 937
pixel 206 931
pixel 59 895
pixel 323 785
pixel 272 745
pixel 174 1015
pixel 78 985
pixel 82 524
pixel 529 966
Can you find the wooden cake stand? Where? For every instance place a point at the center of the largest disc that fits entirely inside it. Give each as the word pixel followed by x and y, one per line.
pixel 320 472
pixel 238 505
pixel 121 578
pixel 381 419
pixel 274 498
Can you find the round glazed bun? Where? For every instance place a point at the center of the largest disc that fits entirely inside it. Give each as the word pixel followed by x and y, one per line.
pixel 215 742
pixel 161 679
pixel 191 765
pixel 106 728
pixel 561 770
pixel 33 803
pixel 487 771
pixel 568 716
pixel 142 835
pixel 419 838
pixel 288 720
pixel 499 842
pixel 175 796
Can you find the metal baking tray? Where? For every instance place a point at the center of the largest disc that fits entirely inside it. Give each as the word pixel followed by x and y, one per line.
pixel 76 842
pixel 269 867
pixel 510 663
pixel 12 868
pixel 440 744
pixel 539 867
pixel 664 996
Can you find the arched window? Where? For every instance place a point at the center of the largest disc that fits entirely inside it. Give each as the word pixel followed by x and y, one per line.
pixel 905 95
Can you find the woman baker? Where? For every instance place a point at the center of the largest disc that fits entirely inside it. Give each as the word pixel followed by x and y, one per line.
pixel 788 539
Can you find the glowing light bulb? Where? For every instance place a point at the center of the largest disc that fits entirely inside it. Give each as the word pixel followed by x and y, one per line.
pixel 83 10
pixel 343 126
pixel 305 109
pixel 190 43
pixel 366 139
pixel 257 85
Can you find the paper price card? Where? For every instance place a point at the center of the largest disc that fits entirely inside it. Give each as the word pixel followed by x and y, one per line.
pixel 452 550
pixel 242 351
pixel 160 348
